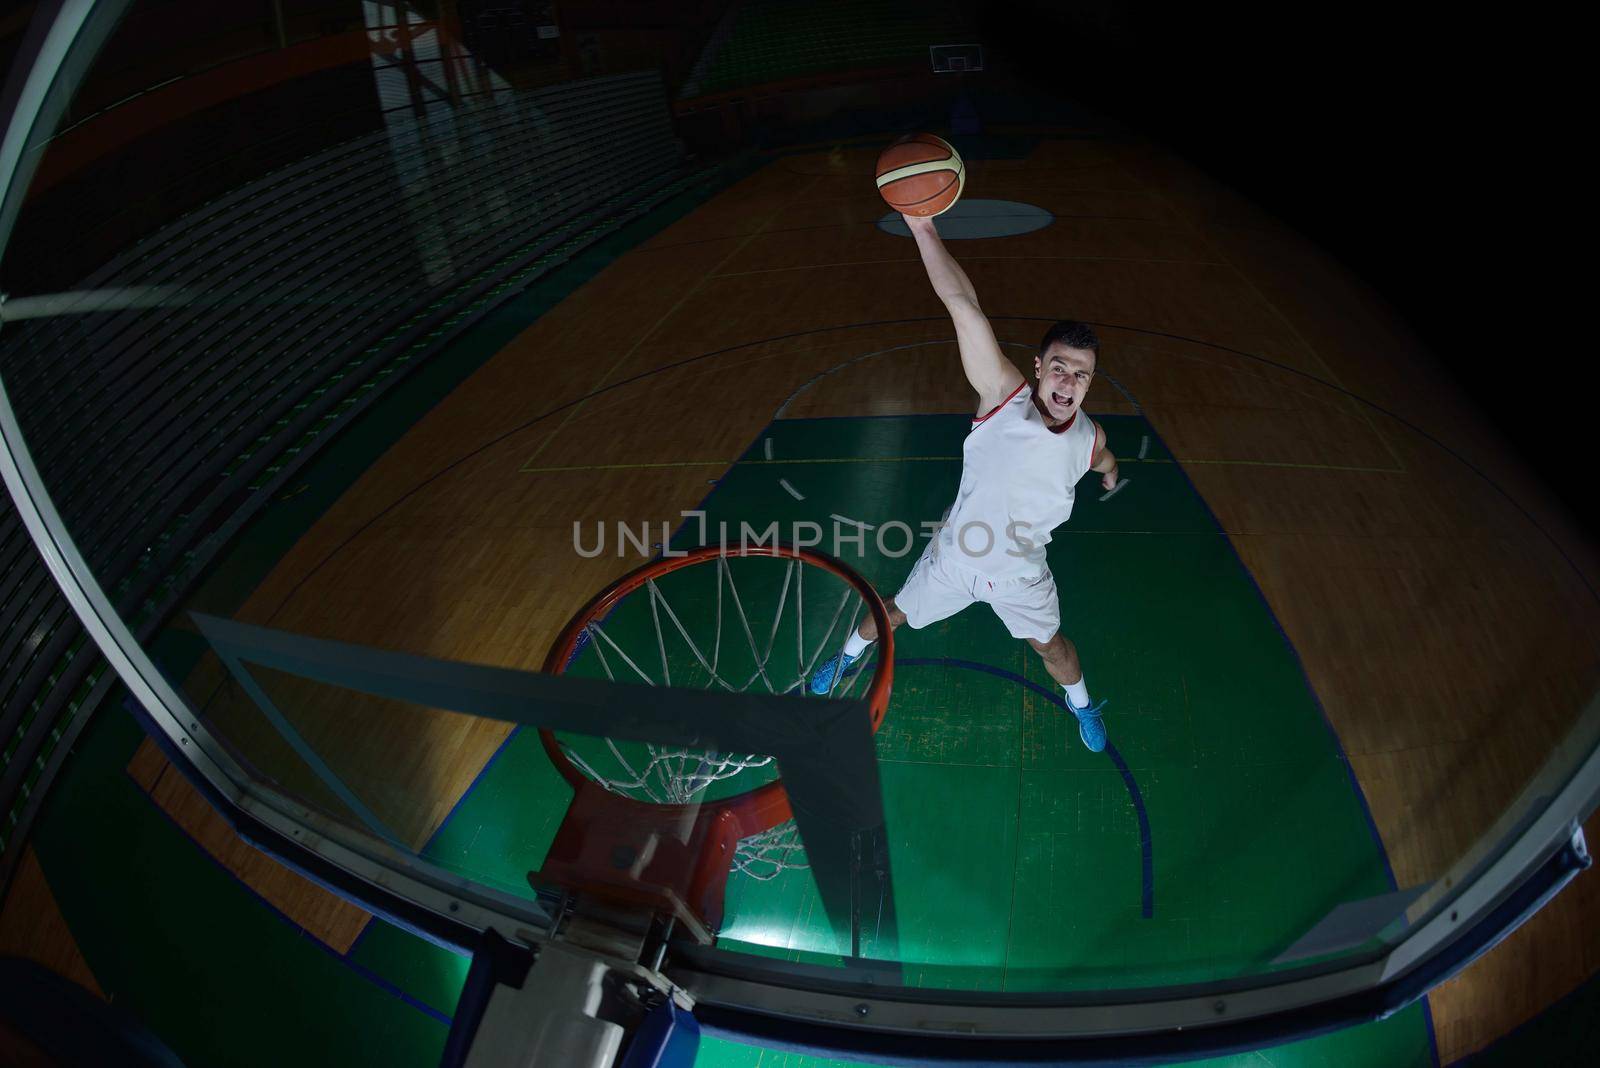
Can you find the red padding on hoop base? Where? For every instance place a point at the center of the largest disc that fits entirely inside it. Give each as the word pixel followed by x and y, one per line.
pixel 668 858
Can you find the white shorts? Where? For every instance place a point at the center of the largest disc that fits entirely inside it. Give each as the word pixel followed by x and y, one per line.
pixel 937 589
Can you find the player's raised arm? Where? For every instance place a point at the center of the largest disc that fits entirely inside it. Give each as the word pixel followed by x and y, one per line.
pixel 991 374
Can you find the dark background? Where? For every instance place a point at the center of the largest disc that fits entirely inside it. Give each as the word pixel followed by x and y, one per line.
pixel 1425 149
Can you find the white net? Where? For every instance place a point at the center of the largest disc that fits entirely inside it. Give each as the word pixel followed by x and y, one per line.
pixel 736 656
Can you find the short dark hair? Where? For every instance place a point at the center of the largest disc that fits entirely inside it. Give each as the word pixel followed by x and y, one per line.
pixel 1072 334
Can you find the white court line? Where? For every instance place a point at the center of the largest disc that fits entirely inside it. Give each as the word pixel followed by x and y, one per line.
pixel 814 379
pixel 1114 490
pixel 820 375
pixel 1120 387
pixel 852 522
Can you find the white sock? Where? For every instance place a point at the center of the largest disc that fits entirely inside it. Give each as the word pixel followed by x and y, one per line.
pixel 1077 693
pixel 855 643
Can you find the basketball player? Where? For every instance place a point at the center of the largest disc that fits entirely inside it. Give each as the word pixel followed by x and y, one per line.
pixel 1024 455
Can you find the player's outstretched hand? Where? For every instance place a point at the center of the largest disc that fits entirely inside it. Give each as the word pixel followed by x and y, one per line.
pixel 917 222
pixel 1109 480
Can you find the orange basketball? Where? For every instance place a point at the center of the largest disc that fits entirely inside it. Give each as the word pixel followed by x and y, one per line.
pixel 921 174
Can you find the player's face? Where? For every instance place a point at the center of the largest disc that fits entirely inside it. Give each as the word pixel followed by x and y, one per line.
pixel 1064 377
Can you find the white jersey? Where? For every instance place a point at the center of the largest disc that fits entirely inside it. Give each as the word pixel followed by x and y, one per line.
pixel 1017 485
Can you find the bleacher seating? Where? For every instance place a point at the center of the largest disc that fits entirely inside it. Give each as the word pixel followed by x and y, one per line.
pixel 766 41
pixel 291 303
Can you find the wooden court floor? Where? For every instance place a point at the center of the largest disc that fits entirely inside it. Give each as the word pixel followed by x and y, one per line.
pixel 1441 604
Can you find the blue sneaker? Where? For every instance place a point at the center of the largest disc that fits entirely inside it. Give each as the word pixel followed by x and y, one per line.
pixel 1091 725
pixel 822 678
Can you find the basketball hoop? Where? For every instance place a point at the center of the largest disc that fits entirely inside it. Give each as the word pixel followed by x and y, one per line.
pixel 651 833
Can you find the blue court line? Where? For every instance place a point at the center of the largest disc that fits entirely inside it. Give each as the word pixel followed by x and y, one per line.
pixel 365 973
pixel 1427 1020
pixel 257 773
pixel 1147 867
pixel 838 327
pixel 1333 735
pixel 437 831
pixel 583 641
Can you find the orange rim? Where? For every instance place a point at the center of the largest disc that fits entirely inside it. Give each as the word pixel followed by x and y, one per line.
pixel 766 806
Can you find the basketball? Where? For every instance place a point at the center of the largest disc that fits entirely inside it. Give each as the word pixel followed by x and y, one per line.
pixel 921 174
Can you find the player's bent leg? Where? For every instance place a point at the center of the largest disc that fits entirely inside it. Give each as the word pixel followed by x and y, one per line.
pixel 929 595
pixel 833 670
pixel 1032 611
pixel 869 626
pixel 1060 658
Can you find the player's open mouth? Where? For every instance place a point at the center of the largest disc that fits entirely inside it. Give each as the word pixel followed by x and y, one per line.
pixel 1059 399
